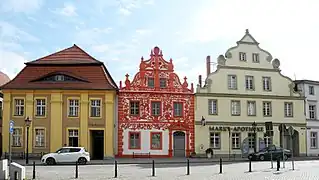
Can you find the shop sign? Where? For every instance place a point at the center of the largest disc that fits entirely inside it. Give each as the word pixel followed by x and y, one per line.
pixel 235 128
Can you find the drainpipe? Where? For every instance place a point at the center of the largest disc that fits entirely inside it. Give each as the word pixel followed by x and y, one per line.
pixel 115 149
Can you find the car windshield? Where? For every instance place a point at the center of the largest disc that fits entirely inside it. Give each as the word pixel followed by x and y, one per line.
pixel 263 150
pixel 58 150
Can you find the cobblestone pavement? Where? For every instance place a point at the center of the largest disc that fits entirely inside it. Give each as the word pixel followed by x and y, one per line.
pixel 304 170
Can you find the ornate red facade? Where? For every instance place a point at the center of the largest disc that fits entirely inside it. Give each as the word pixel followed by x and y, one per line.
pixel 155 110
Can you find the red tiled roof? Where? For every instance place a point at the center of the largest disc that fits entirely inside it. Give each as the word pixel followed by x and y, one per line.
pixel 3 78
pixel 74 62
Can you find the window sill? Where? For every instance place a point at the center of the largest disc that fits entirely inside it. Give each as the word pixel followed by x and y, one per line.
pixel 289 116
pixel 235 114
pixel 213 114
pixel 39 117
pixel 267 115
pixel 254 115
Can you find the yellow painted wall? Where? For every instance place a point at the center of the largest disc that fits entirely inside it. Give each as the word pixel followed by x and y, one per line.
pixel 56 117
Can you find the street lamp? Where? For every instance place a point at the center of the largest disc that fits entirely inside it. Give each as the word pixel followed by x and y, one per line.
pixel 203 121
pixel 255 135
pixel 27 124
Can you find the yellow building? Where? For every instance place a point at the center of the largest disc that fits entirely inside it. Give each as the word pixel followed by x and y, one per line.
pixel 70 98
pixel 247 87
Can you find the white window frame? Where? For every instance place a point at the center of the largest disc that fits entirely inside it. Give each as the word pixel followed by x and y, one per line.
pixel 267 141
pixel 95 108
pixel 17 137
pixel 39 137
pixel 267 83
pixel 235 108
pixel 255 57
pixel 267 109
pixel 235 139
pixel 74 105
pixel 249 82
pixel 313 140
pixel 178 109
pixel 40 107
pixel 212 107
pixel 19 107
pixel 251 108
pixel 289 109
pixel 232 82
pixel 312 111
pixel 251 140
pixel 214 140
pixel 73 133
pixel 242 56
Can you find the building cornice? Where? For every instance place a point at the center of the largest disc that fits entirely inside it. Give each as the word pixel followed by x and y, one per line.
pixel 254 96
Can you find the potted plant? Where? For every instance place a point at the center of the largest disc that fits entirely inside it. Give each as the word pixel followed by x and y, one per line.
pixel 193 154
pixel 209 152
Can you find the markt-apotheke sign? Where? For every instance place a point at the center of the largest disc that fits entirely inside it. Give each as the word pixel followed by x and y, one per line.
pixel 235 128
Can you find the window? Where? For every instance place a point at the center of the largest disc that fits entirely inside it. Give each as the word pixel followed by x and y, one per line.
pixel 251 108
pixel 59 78
pixel 313 140
pixel 266 83
pixel 95 108
pixel 73 107
pixel 255 57
pixel 17 137
pixel 215 140
pixel 150 82
pixel 250 83
pixel 232 82
pixel 235 138
pixel 134 108
pixel 311 90
pixel 73 137
pixel 242 56
pixel 162 82
pixel 134 140
pixel 156 140
pixel 156 108
pixel 267 141
pixel 40 107
pixel 312 112
pixel 288 109
pixel 267 108
pixel 235 108
pixel 251 140
pixel 178 109
pixel 212 107
pixel 19 107
pixel 39 137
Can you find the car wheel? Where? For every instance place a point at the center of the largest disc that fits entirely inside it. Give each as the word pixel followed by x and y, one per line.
pixel 50 161
pixel 262 157
pixel 82 161
pixel 285 157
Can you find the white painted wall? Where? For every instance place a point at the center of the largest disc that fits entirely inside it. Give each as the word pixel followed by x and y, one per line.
pixel 145 142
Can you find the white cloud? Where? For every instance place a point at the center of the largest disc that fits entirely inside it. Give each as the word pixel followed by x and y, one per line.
pixel 11 33
pixel 127 6
pixel 143 31
pixel 90 36
pixel 100 48
pixel 288 29
pixel 68 10
pixel 11 63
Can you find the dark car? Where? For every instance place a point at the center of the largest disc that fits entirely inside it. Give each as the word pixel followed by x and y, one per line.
pixel 266 153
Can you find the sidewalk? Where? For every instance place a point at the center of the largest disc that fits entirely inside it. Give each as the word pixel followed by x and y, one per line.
pixel 162 160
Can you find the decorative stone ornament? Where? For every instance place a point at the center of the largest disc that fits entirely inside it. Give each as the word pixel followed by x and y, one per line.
pixel 276 63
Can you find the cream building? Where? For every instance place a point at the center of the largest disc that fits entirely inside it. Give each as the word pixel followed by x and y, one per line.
pixel 247 87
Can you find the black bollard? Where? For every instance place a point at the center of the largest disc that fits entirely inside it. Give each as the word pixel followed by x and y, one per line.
pixel 153 168
pixel 76 170
pixel 278 164
pixel 33 174
pixel 115 169
pixel 220 166
pixel 188 167
pixel 249 165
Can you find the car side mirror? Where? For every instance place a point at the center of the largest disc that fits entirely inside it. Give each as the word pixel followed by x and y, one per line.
pixel 59 152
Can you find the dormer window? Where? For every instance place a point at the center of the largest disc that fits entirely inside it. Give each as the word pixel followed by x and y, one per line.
pixel 162 82
pixel 242 56
pixel 59 78
pixel 150 82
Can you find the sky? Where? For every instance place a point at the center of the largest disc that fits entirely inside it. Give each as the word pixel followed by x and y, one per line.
pixel 120 32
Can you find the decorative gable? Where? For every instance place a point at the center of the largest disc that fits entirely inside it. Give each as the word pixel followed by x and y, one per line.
pixel 156 74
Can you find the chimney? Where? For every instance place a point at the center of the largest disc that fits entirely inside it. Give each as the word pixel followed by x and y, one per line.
pixel 200 80
pixel 208 65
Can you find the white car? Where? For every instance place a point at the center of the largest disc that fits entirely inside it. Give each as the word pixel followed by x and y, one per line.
pixel 67 155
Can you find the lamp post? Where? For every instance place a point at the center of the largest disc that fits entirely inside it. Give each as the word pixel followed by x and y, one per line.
pixel 27 124
pixel 254 129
